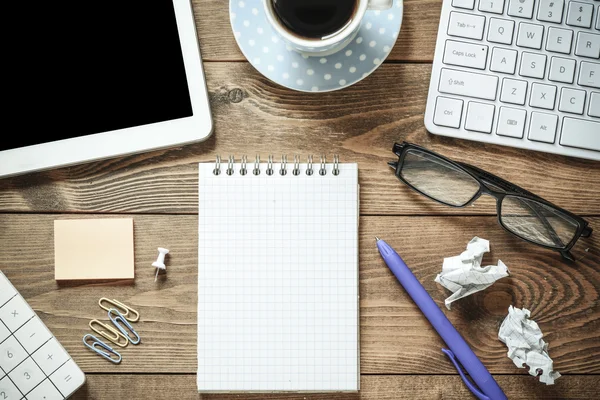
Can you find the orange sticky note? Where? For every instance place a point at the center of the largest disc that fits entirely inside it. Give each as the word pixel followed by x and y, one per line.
pixel 91 249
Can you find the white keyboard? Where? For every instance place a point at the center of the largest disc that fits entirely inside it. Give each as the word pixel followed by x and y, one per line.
pixel 519 73
pixel 33 364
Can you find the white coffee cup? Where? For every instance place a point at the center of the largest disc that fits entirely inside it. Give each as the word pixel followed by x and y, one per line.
pixel 332 43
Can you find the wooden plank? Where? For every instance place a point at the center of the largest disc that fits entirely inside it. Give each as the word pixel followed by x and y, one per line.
pixel 252 116
pixel 416 41
pixel 395 337
pixel 374 387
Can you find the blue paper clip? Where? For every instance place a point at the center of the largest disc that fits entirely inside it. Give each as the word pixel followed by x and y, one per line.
pixel 108 354
pixel 120 319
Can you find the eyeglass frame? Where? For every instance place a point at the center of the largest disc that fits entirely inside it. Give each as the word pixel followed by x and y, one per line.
pixel 484 179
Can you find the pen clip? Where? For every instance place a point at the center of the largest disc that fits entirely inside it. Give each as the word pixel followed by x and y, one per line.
pixel 467 382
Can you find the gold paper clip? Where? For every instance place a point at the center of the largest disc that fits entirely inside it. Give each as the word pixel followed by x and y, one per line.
pixel 115 336
pixel 122 308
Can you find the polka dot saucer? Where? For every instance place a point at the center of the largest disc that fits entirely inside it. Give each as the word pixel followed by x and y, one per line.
pixel 277 61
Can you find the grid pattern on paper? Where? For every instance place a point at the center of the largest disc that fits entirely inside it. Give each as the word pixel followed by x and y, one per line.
pixel 278 280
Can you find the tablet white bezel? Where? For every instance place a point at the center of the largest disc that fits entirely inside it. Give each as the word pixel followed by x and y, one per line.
pixel 138 139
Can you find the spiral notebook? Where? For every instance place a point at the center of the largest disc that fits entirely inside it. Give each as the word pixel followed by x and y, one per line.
pixel 278 276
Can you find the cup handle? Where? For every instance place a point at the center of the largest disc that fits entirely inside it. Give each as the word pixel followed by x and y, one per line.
pixel 380 4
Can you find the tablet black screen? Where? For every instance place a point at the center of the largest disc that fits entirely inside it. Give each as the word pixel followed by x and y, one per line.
pixel 80 67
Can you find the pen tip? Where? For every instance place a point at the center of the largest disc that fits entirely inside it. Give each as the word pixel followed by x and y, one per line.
pixel 377 239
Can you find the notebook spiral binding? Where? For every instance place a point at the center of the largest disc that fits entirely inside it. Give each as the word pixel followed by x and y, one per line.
pixel 283 170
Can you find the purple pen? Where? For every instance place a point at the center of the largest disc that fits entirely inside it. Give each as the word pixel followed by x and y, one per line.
pixel 460 353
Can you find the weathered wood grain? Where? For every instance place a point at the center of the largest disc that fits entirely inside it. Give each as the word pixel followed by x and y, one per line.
pixel 252 116
pixel 416 41
pixel 183 387
pixel 395 337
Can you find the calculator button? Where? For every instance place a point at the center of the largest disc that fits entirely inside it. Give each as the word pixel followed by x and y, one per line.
pixel 15 313
pixel 8 391
pixel 68 378
pixel 4 333
pixel 50 356
pixel 11 354
pixel 7 291
pixel 44 391
pixel 32 335
pixel 27 376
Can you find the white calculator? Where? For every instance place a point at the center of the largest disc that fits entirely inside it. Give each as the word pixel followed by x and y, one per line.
pixel 33 364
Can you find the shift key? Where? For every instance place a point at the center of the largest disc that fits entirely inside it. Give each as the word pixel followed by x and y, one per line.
pixel 469 84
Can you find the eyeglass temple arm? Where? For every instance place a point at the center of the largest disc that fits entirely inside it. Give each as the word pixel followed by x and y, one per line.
pixel 511 186
pixel 503 184
pixel 547 224
pixel 496 180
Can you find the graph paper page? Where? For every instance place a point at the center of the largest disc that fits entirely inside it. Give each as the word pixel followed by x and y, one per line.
pixel 278 280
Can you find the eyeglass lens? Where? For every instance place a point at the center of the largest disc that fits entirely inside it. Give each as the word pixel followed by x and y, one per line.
pixel 437 178
pixel 448 184
pixel 537 222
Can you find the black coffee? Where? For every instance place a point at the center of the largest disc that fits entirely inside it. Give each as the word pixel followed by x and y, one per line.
pixel 314 18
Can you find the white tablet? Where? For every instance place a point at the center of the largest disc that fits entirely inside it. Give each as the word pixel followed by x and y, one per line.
pixel 94 80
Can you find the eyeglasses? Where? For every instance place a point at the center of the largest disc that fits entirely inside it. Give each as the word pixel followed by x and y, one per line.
pixel 520 212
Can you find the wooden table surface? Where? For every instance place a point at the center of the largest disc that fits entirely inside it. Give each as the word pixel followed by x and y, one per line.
pixel 400 352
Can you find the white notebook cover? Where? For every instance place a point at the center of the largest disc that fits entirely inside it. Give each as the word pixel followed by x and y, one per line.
pixel 278 300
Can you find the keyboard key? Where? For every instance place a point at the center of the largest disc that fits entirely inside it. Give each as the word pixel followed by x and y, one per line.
pixel 467 4
pixel 464 55
pixel 530 35
pixel 580 14
pixel 551 10
pixel 27 376
pixel 513 91
pixel 594 110
pixel 562 70
pixel 45 391
pixel 466 25
pixel 468 84
pixel 580 133
pixel 32 335
pixel 503 60
pixel 68 378
pixel 8 391
pixel 479 117
pixel 542 96
pixel 4 332
pixel 532 65
pixel 7 291
pixel 521 8
pixel 588 45
pixel 15 313
pixel 500 31
pixel 572 101
pixel 542 127
pixel 491 6
pixel 448 112
pixel 598 19
pixel 589 74
pixel 50 356
pixel 559 40
pixel 11 354
pixel 511 122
